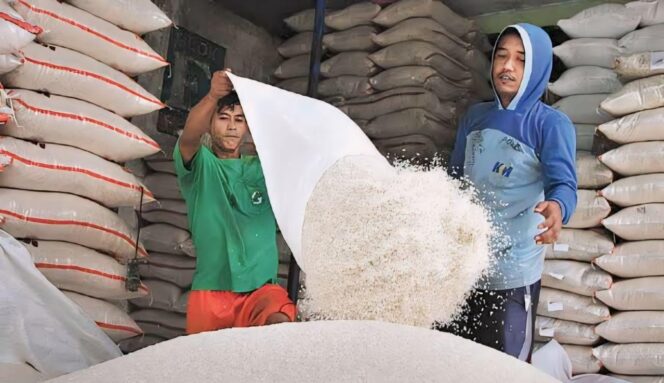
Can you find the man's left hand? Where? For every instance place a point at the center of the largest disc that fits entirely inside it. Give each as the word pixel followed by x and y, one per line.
pixel 553 222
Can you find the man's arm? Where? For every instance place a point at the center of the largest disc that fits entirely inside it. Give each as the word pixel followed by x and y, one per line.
pixel 198 120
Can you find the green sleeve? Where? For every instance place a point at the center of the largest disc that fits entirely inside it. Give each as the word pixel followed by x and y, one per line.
pixel 188 173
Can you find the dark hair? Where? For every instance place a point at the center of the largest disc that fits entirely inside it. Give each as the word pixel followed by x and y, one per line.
pixel 228 101
pixel 511 31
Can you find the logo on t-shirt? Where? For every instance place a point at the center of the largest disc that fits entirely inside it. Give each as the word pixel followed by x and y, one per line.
pixel 257 198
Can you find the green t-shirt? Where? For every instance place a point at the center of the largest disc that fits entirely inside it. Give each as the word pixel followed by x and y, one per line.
pixel 231 221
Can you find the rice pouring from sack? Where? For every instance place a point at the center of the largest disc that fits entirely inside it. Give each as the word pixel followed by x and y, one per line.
pixel 395 244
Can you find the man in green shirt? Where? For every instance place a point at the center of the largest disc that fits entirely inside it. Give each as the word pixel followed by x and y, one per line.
pixel 231 220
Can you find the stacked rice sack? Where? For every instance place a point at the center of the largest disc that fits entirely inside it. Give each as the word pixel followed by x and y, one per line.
pixel 62 179
pixel 404 73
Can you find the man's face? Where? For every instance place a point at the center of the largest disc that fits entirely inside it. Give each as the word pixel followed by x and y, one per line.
pixel 229 128
pixel 508 63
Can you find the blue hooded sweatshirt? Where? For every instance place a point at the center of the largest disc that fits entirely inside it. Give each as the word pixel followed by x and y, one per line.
pixel 517 157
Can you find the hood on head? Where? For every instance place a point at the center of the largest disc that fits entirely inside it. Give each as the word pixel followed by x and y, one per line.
pixel 537 69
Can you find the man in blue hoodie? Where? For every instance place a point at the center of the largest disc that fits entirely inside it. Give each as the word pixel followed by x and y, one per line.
pixel 520 156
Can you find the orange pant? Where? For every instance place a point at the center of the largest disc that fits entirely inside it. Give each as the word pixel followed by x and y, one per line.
pixel 215 310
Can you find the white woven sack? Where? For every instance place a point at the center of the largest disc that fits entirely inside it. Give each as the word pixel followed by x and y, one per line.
pixel 52 167
pixel 565 332
pixel 161 323
pixel 66 217
pixel 355 39
pixel 345 86
pixel 176 269
pixel 636 96
pixel 580 245
pixel 576 277
pixel 162 166
pixel 648 39
pixel 632 359
pixel 636 158
pixel 15 31
pixel 591 173
pixel 584 108
pixel 9 62
pixel 583 360
pixel 588 51
pixel 637 127
pixel 138 16
pixel 65 72
pixel 645 293
pixel 352 16
pixel 70 27
pixel 572 307
pixel 297 45
pixel 117 324
pixel 76 268
pixel 163 295
pixel 172 205
pixel 585 135
pixel 634 259
pixel 422 76
pixel 651 11
pixel 604 20
pixel 640 378
pixel 349 64
pixel 163 185
pixel 633 327
pixel 164 216
pixel 139 342
pixel 636 190
pixel 302 21
pixel 591 209
pixel 164 238
pixel 586 80
pixel 297 66
pixel 67 121
pixel 640 65
pixel 407 9
pixel 637 223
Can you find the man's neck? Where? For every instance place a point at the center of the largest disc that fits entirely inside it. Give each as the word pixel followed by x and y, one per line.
pixel 505 100
pixel 225 154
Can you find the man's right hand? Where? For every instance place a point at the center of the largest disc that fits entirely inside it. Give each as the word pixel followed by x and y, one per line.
pixel 220 85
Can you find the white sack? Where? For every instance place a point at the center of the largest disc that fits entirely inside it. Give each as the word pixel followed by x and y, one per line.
pixel 15 31
pixel 165 318
pixel 576 277
pixel 296 85
pixel 68 73
pixel 407 9
pixel 639 378
pixel 116 323
pixel 163 185
pixel 637 127
pixel 645 293
pixel 565 332
pixel 580 245
pixel 409 122
pixel 636 190
pixel 67 121
pixel 20 372
pixel 419 76
pixel 634 359
pixel 420 53
pixel 636 158
pixel 591 209
pixel 164 238
pixel 572 307
pixel 345 86
pixel 9 62
pixel 172 205
pixel 651 11
pixel 584 108
pixel 640 65
pixel 634 259
pixel 66 217
pixel 302 21
pixel 163 295
pixel 139 342
pixel 159 330
pixel 76 268
pixel 355 39
pixel 138 16
pixel 70 27
pixel 586 80
pixel 633 327
pixel 297 45
pixel 352 16
pixel 588 51
pixel 604 20
pixel 162 166
pixel 165 216
pixel 181 276
pixel 648 39
pixel 591 173
pixel 297 66
pixel 583 360
pixel 349 64
pixel 638 95
pixel 638 223
pixel 585 135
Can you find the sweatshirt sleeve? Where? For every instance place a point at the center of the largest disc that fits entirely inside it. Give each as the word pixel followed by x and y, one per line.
pixel 458 157
pixel 558 158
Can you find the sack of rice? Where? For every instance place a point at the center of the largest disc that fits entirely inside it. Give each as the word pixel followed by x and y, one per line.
pixel 638 378
pixel 407 9
pixel 163 295
pixel 588 51
pixel 572 307
pixel 297 66
pixel 352 16
pixel 20 372
pixel 15 31
pixel 634 259
pixel 409 122
pixel 165 204
pixel 177 269
pixel 636 158
pixel 157 215
pixel 637 223
pixel 576 277
pixel 9 62
pixel 355 39
pixel 345 86
pixel 164 238
pixel 181 304
pixel 648 39
pixel 302 21
pixel 591 209
pixel 117 324
pixel 70 27
pixel 408 147
pixel 639 65
pixel 636 190
pixel 66 217
pixel 584 108
pixel 633 327
pixel 161 166
pixel 585 135
pixel 76 268
pixel 420 53
pixel 583 360
pixel 67 121
pixel 586 80
pixel 636 96
pixel 68 73
pixel 138 16
pixel 637 127
pixel 52 167
pixel 419 76
pixel 139 342
pixel 296 85
pixel 591 172
pixel 565 332
pixel 645 293
pixel 632 359
pixel 651 11
pixel 163 185
pixel 580 245
pixel 297 45
pixel 604 20
pixel 160 323
pixel 348 63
